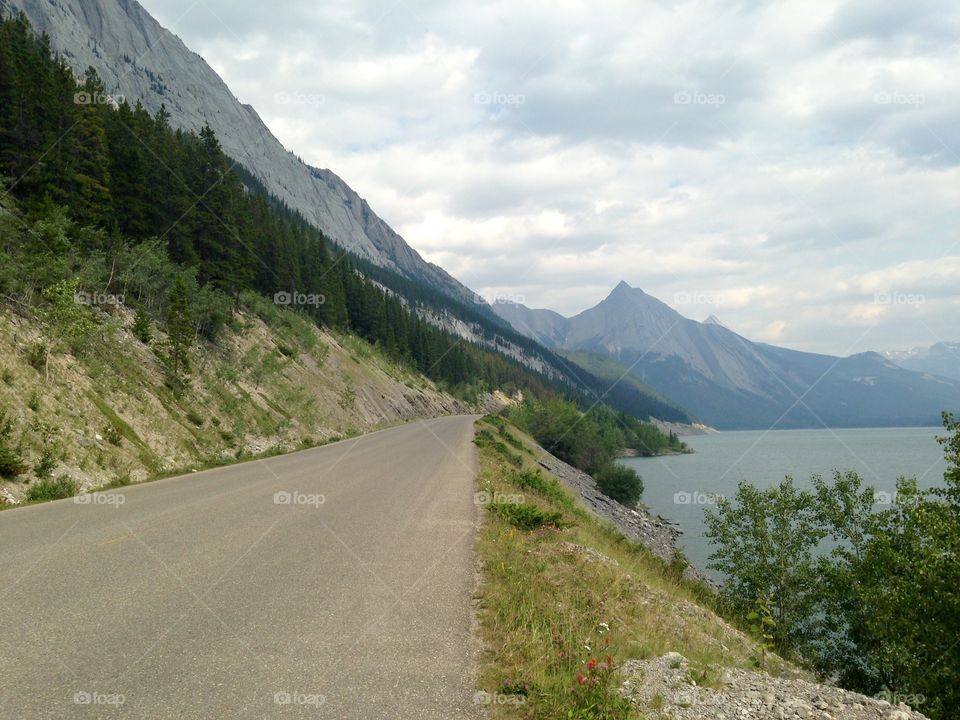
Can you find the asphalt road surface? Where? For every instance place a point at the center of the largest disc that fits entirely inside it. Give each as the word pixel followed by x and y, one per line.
pixel 330 583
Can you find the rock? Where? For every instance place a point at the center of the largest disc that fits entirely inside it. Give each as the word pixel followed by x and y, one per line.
pixel 674 659
pixel 660 689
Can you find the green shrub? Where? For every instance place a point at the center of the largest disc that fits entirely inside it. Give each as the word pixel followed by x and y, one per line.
pixel 47 462
pixel 620 483
pixel 61 487
pixel 34 401
pixel 11 464
pixel 37 356
pixel 526 516
pixel 548 487
pixel 485 438
pixel 141 326
pixel 7 376
pixel 195 418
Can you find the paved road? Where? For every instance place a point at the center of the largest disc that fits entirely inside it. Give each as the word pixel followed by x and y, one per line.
pixel 211 596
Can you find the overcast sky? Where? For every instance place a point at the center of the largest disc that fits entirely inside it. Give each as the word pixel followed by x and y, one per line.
pixel 790 167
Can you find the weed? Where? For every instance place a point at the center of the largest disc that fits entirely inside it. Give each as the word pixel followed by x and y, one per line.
pixel 61 487
pixel 526 516
pixel 37 355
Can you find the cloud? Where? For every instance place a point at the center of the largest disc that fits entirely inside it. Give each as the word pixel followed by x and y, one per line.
pixel 782 163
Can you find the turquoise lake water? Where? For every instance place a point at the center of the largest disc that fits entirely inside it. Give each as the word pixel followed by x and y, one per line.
pixel 679 487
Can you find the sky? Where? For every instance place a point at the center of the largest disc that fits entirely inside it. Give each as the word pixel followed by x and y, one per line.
pixel 792 168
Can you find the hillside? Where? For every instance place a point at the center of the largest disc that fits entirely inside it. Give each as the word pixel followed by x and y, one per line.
pixel 606 367
pixel 273 383
pixel 143 62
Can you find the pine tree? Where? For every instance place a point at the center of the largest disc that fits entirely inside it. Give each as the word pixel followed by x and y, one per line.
pixel 179 332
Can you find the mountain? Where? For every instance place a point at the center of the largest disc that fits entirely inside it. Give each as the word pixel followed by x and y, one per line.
pixel 731 382
pixel 942 359
pixel 140 60
pixel 544 326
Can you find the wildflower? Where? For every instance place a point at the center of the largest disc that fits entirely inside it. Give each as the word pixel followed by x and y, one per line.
pixel 581 678
pixel 592 664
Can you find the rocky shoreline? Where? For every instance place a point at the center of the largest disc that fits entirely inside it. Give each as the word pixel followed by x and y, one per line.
pixel 656 533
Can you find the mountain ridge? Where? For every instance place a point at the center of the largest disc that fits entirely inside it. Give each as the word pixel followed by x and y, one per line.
pixel 118 40
pixel 729 381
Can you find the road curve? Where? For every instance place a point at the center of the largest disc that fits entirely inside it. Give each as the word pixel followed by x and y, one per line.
pixel 330 583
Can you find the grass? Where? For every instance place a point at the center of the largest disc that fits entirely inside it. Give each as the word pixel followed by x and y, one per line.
pixel 53 489
pixel 557 597
pixel 119 424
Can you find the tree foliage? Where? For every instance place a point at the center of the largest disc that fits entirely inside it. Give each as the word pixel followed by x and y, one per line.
pixel 867 592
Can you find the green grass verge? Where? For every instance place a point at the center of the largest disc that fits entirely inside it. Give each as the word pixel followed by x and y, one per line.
pixel 563 593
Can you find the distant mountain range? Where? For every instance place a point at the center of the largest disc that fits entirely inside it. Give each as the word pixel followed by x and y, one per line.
pixel 730 382
pixel 942 359
pixel 140 60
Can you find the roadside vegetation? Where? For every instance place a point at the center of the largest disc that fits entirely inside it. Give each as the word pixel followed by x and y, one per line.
pixel 593 440
pixel 861 586
pixel 566 599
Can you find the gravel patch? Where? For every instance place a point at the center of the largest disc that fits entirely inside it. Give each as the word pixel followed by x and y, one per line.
pixel 662 689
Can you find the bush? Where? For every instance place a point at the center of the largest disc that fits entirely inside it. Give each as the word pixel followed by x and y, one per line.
pixel 37 356
pixel 11 464
pixel 47 462
pixel 548 487
pixel 485 438
pixel 526 516
pixel 61 487
pixel 141 326
pixel 620 483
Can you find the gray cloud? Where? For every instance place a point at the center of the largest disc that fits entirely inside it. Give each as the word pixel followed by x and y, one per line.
pixel 783 162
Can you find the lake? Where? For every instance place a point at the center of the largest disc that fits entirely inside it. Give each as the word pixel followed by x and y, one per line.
pixel 679 487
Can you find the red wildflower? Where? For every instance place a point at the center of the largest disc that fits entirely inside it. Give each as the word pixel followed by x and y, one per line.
pixel 581 678
pixel 592 664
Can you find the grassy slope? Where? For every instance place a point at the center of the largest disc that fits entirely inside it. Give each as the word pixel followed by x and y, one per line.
pixel 265 388
pixel 552 599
